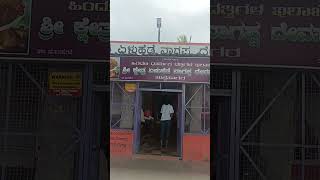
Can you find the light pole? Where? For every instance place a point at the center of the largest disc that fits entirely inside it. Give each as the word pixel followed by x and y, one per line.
pixel 159 27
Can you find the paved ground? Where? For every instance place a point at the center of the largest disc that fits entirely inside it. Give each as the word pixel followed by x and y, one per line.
pixel 142 169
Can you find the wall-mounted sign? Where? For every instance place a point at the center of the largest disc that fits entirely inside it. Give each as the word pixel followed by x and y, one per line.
pixel 201 153
pixel 159 49
pixel 130 87
pixel 195 70
pixel 266 33
pixel 121 142
pixel 70 29
pixel 114 67
pixel 65 84
pixel 60 29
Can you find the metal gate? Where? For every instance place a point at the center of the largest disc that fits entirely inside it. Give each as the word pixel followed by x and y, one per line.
pixel 221 110
pixel 21 101
pixel 42 135
pixel 197 109
pixel 278 130
pixel 275 120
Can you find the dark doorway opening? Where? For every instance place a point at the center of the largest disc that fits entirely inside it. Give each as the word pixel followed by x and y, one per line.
pixel 150 127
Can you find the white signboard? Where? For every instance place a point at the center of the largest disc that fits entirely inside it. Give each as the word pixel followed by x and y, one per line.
pixel 160 49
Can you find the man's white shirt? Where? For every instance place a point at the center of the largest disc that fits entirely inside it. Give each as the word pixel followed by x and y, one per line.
pixel 166 110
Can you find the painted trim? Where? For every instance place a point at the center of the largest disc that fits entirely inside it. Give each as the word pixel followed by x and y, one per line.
pixel 53 59
pixel 119 80
pixel 123 130
pixel 197 134
pixel 160 90
pixel 167 43
pixel 173 56
pixel 265 66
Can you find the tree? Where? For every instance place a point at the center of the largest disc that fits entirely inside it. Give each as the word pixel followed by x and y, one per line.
pixel 182 39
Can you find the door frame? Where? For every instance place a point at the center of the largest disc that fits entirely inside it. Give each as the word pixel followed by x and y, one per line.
pixel 234 151
pixel 180 122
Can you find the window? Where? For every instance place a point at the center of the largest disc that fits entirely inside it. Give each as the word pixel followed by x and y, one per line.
pixel 197 109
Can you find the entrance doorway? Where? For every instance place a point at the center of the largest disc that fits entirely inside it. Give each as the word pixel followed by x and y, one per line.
pixel 150 125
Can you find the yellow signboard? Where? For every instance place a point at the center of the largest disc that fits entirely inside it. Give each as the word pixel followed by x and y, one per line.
pixel 65 83
pixel 130 87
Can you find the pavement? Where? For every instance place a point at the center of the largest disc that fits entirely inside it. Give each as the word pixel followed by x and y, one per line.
pixel 156 169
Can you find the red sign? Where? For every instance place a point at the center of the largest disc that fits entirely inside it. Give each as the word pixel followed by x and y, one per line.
pixel 121 142
pixel 196 147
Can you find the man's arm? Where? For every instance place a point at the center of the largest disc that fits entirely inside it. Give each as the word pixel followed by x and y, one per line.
pixel 171 111
pixel 161 111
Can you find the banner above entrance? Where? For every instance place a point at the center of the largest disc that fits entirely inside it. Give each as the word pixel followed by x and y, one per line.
pixel 124 48
pixel 193 70
pixel 266 33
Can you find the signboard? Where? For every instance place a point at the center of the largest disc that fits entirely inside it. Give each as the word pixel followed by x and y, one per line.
pixel 265 33
pixel 199 153
pixel 65 83
pixel 122 48
pixel 121 142
pixel 130 87
pixel 61 29
pixel 70 29
pixel 196 70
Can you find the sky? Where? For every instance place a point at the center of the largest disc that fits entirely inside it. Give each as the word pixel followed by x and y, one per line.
pixel 135 20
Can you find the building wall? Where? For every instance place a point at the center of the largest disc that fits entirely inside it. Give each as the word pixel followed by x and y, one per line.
pixel 122 107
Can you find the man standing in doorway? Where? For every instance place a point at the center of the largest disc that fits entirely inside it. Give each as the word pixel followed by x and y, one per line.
pixel 166 116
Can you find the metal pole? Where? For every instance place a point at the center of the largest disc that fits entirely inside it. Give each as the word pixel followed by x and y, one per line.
pixel 232 134
pixel 303 125
pixel 159 27
pixel 137 118
pixel 9 91
pixel 158 34
pixel 237 91
pixel 183 115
